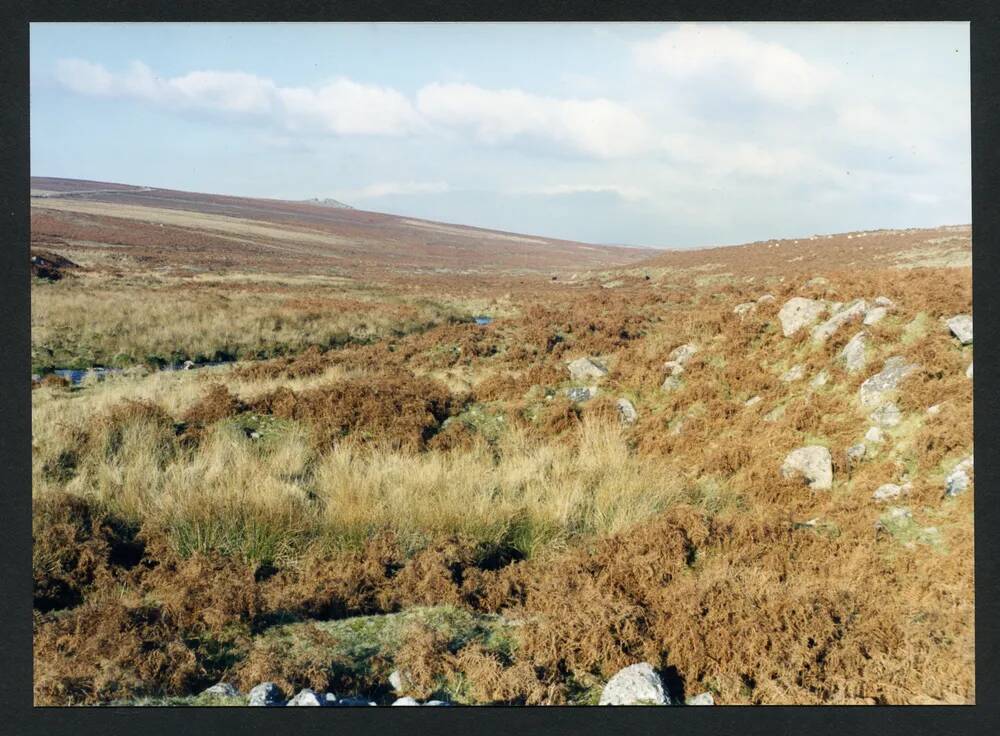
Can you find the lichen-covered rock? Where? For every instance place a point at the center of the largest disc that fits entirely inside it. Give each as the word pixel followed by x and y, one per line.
pixel 875 315
pixel 820 379
pixel 958 480
pixel 264 694
pixel 874 434
pixel 581 394
pixel 856 453
pixel 887 415
pixel 637 684
pixel 853 353
pixel 700 699
pixel 813 463
pixel 671 383
pixel 961 327
pixel 626 411
pixel 854 310
pixel 306 697
pixel 223 689
pixel 799 312
pixel 894 370
pixel 583 368
pixel 683 353
pixel 889 491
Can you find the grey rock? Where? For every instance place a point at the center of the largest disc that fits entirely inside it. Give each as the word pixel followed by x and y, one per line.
pixel 799 312
pixel 958 480
pixel 813 463
pixel 884 301
pixel 856 453
pixel 894 370
pixel 673 367
pixel 700 699
pixel 775 414
pixel 265 694
pixel 875 315
pixel 968 371
pixel 816 281
pixel 874 434
pixel 306 697
pixel 933 411
pixel 405 701
pixel 581 394
pixel 795 373
pixel 671 383
pixel 853 353
pixel 820 379
pixel 437 702
pixel 961 327
pixel 637 684
pixel 854 310
pixel 890 491
pixel 895 516
pixel 683 353
pixel 223 689
pixel 626 411
pixel 752 401
pixel 887 415
pixel 765 299
pixel 744 309
pixel 584 368
pixel 187 365
pixel 397 680
pixel 329 699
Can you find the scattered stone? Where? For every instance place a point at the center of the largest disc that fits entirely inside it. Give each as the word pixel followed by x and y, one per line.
pixel 306 697
pixel 396 680
pixel 265 694
pixel 852 311
pixel 875 315
pixel 889 491
pixel 884 301
pixel 329 699
pixel 896 516
pixel 894 370
pixel 968 371
pixel 933 411
pixel 581 394
pixel 700 699
pixel 816 281
pixel 795 373
pixel 682 354
pixel 853 353
pixel 637 684
pixel 584 368
pixel 187 365
pixel 744 309
pixel 437 702
pixel 671 383
pixel 765 299
pixel 674 367
pixel 961 327
pixel 887 415
pixel 626 411
pixel 812 463
pixel 752 401
pixel 405 701
pixel 775 414
pixel 223 689
pixel 874 434
pixel 958 480
pixel 799 312
pixel 856 453
pixel 820 379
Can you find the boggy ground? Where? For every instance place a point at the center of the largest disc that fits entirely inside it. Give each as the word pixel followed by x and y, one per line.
pixel 430 500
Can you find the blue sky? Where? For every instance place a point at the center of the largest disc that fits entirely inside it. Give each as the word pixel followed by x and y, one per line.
pixel 659 134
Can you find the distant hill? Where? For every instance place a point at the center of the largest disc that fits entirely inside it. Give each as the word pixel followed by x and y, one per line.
pixel 327 202
pixel 214 231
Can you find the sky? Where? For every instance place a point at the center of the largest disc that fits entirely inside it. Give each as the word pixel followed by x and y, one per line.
pixel 655 134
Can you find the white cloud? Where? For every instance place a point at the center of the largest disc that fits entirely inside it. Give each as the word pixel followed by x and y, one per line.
pixel 627 192
pixel 387 188
pixel 774 72
pixel 341 107
pixel 596 127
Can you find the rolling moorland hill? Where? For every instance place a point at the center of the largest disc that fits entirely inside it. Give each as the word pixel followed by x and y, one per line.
pixel 749 467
